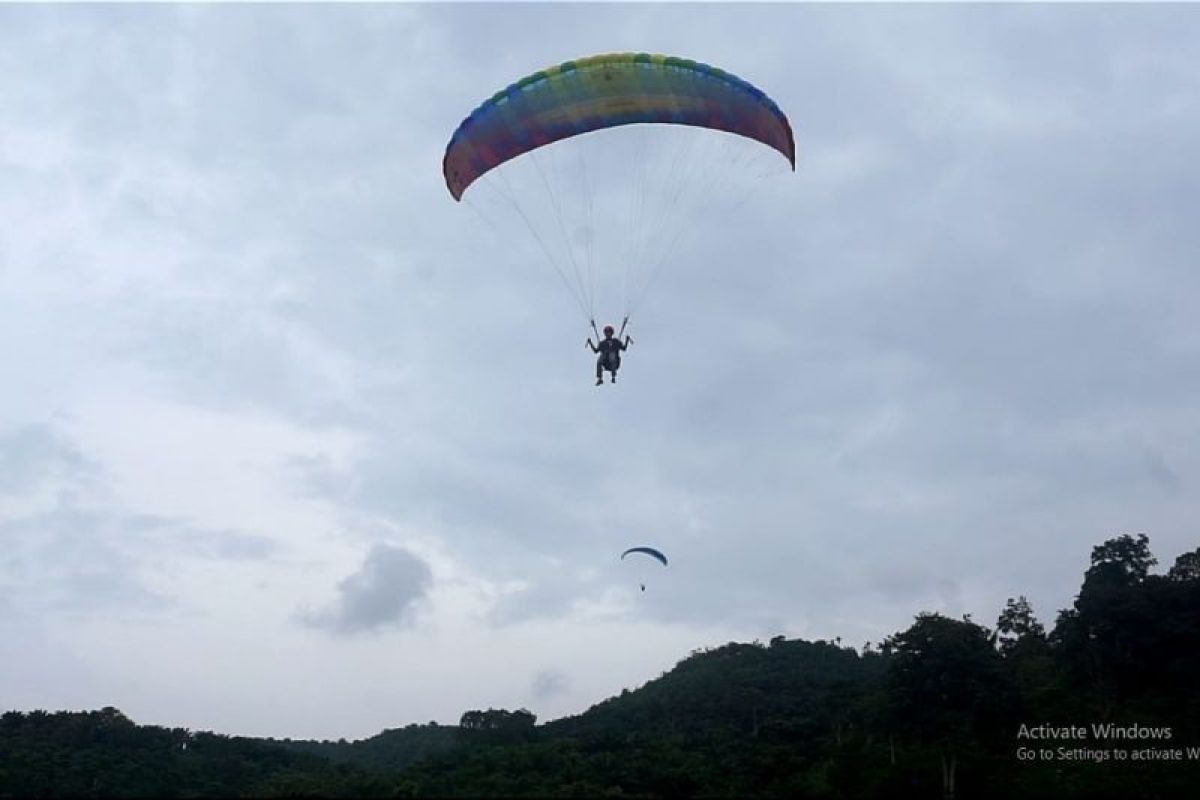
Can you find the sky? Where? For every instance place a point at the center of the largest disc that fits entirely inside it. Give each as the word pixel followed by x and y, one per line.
pixel 292 444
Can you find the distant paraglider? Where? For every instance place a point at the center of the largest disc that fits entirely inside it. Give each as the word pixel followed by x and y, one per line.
pixel 648 551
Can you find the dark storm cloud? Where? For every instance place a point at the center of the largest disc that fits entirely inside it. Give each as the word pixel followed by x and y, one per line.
pixel 384 593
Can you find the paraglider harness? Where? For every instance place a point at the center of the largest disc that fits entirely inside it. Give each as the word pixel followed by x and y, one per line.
pixel 610 355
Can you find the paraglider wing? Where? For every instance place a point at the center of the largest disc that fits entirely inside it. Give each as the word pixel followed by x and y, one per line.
pixel 603 92
pixel 650 551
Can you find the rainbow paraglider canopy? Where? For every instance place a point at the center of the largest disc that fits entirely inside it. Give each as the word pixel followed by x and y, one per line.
pixel 605 91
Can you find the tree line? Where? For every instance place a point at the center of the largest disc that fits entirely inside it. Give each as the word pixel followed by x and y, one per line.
pixel 942 709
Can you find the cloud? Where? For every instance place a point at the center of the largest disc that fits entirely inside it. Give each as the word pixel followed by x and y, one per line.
pixel 384 593
pixel 1160 471
pixel 71 545
pixel 78 560
pixel 37 457
pixel 549 683
pixel 85 558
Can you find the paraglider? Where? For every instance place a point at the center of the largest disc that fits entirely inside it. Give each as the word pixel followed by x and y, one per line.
pixel 610 353
pixel 649 551
pixel 664 136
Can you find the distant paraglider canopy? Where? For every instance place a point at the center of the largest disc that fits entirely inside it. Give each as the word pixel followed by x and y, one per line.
pixel 650 551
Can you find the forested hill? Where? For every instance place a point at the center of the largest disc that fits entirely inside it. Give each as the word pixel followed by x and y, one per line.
pixel 933 711
pixel 105 754
pixel 738 690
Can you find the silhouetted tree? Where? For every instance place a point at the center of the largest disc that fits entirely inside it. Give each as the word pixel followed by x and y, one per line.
pixel 1017 626
pixel 1186 567
pixel 947 689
